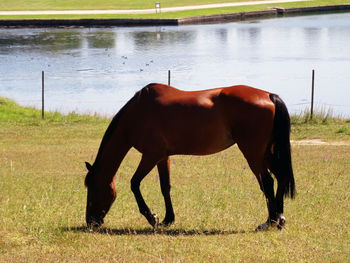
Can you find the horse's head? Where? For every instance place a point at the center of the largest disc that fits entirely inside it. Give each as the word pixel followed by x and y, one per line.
pixel 100 196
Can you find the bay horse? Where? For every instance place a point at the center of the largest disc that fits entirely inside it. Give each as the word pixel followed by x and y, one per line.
pixel 160 121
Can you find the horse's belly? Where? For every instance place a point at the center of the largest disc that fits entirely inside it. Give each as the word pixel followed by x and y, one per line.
pixel 201 144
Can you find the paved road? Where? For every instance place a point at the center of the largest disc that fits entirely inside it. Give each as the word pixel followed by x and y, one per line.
pixel 142 11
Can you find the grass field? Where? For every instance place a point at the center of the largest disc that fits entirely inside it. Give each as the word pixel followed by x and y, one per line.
pixel 9 5
pixel 216 199
pixel 102 4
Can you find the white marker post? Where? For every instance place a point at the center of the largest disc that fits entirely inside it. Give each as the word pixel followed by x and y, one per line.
pixel 158 7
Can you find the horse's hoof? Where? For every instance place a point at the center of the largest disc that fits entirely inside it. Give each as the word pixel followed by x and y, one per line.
pixel 166 223
pixel 263 227
pixel 281 222
pixel 155 220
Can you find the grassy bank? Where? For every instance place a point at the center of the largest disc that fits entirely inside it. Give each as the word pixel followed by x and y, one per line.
pixel 323 125
pixel 42 199
pixel 100 5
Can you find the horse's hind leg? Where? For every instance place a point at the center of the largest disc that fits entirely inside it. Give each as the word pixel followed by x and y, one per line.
pixel 256 163
pixel 266 183
pixel 279 207
pixel 281 185
pixel 146 165
pixel 164 176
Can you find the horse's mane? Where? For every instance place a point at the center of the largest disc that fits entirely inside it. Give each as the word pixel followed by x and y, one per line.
pixel 115 121
pixel 112 126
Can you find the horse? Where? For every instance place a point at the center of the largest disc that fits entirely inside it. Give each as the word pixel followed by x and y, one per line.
pixel 160 121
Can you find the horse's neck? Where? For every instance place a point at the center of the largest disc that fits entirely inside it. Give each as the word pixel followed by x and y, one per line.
pixel 114 145
pixel 112 154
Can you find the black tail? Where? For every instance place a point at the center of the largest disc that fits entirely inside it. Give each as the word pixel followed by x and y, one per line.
pixel 281 163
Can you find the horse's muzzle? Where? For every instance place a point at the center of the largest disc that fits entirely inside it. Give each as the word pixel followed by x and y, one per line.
pixel 94 221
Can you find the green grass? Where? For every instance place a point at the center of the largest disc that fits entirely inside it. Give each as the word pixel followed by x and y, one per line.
pixel 10 112
pixel 170 15
pixel 102 4
pixel 323 125
pixel 216 199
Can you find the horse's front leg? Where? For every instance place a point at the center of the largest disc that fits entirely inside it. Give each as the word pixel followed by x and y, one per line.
pixel 164 177
pixel 146 165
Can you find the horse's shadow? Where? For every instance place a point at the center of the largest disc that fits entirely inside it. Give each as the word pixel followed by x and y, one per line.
pixel 151 231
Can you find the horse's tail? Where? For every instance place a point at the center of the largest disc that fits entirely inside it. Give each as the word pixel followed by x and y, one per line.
pixel 281 161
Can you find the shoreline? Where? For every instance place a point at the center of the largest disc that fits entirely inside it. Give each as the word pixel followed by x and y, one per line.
pixel 207 19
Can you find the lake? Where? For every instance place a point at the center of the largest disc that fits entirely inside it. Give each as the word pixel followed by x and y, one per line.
pixel 99 69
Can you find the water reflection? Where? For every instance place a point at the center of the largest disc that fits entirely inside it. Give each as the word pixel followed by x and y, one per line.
pixel 222 35
pixel 45 41
pixel 151 40
pixel 100 69
pixel 251 34
pixel 101 39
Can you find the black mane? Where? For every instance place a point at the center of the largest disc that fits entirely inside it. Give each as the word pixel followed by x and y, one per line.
pixel 115 121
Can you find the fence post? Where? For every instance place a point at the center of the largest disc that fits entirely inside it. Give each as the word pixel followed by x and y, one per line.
pixel 312 93
pixel 169 77
pixel 42 95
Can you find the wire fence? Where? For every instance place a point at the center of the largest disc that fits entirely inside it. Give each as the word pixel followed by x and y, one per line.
pixel 109 106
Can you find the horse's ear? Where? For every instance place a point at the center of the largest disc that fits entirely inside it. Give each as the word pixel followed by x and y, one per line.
pixel 88 166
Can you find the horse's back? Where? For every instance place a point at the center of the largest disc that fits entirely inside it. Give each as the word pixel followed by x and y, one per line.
pixel 166 95
pixel 199 122
pixel 235 102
